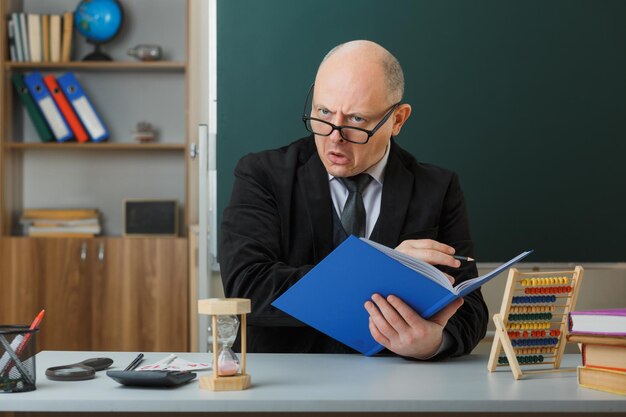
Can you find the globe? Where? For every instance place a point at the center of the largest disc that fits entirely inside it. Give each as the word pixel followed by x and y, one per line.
pixel 99 21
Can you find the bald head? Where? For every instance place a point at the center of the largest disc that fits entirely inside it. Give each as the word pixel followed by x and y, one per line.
pixel 370 59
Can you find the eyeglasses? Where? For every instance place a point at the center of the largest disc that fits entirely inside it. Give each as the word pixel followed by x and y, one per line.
pixel 349 133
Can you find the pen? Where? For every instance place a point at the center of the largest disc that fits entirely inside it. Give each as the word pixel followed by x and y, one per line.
pixel 135 363
pixel 463 258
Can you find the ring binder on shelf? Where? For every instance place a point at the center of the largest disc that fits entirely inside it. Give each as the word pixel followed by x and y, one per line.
pixel 83 107
pixel 48 108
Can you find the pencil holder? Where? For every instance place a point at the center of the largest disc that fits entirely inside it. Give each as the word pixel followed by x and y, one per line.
pixel 17 358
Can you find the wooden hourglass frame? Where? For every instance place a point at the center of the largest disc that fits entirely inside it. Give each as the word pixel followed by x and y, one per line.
pixel 531 326
pixel 226 307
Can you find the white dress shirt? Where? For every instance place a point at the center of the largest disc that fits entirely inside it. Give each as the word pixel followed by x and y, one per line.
pixel 372 194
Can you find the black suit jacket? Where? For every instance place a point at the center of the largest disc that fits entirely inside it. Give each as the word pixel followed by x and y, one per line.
pixel 279 224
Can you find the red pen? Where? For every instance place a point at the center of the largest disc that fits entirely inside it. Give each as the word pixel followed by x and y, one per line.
pixel 33 326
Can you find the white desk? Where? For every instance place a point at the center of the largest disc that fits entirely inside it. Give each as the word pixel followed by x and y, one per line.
pixel 323 383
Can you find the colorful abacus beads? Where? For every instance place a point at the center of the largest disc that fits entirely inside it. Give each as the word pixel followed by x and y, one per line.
pixel 530 316
pixel 528 326
pixel 548 290
pixel 532 309
pixel 534 299
pixel 534 282
pixel 523 360
pixel 547 341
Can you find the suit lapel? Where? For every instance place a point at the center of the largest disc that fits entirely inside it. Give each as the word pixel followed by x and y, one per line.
pixel 397 192
pixel 313 182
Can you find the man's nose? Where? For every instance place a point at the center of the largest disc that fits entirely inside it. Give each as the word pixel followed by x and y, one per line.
pixel 335 136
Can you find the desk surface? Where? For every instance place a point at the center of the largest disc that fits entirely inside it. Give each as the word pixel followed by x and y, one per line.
pixel 323 383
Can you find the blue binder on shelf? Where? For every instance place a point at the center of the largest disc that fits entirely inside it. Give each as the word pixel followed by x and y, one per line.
pixel 83 107
pixel 332 295
pixel 47 106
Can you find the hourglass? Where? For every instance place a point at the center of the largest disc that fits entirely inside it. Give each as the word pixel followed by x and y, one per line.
pixel 230 378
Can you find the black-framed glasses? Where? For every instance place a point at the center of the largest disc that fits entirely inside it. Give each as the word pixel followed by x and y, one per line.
pixel 350 133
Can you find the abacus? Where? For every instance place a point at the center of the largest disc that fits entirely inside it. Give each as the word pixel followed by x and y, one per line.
pixel 532 322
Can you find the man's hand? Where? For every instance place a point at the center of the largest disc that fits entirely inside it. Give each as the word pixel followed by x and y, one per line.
pixel 400 329
pixel 430 251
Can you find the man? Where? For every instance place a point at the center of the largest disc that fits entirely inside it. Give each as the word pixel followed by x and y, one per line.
pixel 290 207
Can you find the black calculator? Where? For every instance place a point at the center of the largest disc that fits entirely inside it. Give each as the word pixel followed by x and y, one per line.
pixel 152 378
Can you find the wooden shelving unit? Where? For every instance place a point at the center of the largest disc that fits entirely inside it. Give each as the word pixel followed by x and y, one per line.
pixel 108 292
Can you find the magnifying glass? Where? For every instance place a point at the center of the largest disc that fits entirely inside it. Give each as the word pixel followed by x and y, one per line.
pixel 78 371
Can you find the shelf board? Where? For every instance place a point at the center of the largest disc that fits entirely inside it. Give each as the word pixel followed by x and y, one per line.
pixel 98 66
pixel 99 146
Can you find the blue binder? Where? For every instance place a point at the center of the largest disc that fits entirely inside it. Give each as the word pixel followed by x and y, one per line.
pixel 332 295
pixel 49 110
pixel 83 107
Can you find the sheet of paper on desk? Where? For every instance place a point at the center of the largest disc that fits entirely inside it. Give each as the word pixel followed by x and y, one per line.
pixel 174 363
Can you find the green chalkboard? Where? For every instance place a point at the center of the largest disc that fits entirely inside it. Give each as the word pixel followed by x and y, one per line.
pixel 526 100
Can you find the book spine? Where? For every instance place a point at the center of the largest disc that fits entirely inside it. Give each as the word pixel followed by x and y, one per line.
pixel 45 37
pixel 55 38
pixel 34 37
pixel 24 33
pixel 68 26
pixel 12 51
pixel 18 37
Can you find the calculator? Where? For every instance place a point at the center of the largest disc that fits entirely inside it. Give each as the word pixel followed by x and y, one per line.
pixel 152 378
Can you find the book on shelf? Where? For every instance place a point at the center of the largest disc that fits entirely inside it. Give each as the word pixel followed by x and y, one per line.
pixel 601 322
pixel 24 36
pixel 60 214
pixel 34 36
pixel 17 35
pixel 45 38
pixel 61 222
pixel 12 50
pixel 39 122
pixel 40 37
pixel 330 296
pixel 55 38
pixel 68 26
pixel 602 379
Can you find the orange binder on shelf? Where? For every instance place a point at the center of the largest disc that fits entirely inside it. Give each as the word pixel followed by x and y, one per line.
pixel 66 109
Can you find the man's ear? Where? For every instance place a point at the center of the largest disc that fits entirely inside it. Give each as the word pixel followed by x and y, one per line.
pixel 400 116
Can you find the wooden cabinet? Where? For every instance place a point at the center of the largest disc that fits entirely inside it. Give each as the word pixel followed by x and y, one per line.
pixel 50 274
pixel 140 295
pixel 99 294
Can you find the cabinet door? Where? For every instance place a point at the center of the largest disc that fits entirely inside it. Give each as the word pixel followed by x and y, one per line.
pixel 50 274
pixel 140 295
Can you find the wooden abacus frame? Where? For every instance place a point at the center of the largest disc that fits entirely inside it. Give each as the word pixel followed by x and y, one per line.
pixel 541 296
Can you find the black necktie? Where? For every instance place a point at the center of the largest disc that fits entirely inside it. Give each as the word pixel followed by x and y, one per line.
pixel 353 214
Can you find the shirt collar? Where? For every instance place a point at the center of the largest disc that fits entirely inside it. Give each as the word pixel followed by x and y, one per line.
pixel 376 171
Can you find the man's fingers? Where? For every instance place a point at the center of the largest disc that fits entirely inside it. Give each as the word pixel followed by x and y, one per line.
pixel 379 320
pixel 430 251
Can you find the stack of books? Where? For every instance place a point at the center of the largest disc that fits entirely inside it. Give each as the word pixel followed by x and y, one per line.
pixel 602 335
pixel 82 223
pixel 40 38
